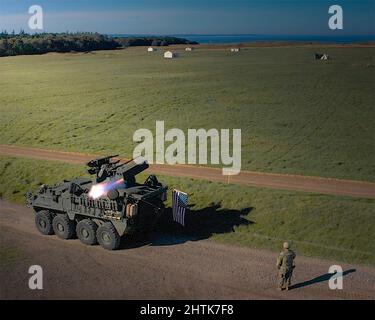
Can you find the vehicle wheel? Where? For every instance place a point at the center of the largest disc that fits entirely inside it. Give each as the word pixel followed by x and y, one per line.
pixel 64 227
pixel 108 236
pixel 86 232
pixel 43 222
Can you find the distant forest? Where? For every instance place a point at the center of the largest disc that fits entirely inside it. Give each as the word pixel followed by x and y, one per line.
pixel 12 44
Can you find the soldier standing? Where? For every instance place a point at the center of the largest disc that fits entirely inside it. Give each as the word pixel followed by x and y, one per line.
pixel 285 264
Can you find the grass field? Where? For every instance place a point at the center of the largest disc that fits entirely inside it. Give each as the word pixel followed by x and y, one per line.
pixel 297 115
pixel 9 254
pixel 333 227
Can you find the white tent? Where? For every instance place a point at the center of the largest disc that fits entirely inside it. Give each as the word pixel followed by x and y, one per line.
pixel 188 49
pixel 234 49
pixel 169 55
pixel 321 56
pixel 151 49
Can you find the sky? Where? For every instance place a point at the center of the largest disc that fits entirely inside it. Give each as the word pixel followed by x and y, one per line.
pixel 167 17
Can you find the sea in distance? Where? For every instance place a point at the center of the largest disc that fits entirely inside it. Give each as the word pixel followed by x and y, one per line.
pixel 246 38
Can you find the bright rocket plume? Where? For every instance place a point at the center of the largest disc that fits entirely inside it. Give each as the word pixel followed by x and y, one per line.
pixel 101 189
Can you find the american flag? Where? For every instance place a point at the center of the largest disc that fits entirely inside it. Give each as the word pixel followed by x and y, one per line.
pixel 179 205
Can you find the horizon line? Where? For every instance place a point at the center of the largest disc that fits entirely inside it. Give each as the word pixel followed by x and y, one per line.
pixel 191 34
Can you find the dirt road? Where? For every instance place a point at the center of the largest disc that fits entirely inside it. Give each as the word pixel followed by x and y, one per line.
pixel 258 179
pixel 169 267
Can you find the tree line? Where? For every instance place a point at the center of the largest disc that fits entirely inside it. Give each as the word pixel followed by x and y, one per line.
pixel 151 41
pixel 24 44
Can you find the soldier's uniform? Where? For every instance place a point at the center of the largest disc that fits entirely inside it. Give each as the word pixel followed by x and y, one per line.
pixel 285 264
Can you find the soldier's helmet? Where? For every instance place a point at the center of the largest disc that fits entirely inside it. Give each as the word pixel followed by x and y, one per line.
pixel 286 245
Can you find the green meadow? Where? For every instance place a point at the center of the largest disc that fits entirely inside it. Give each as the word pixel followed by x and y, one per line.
pixel 9 254
pixel 297 115
pixel 333 227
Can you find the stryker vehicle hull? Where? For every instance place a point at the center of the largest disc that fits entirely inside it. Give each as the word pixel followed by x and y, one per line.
pixel 67 209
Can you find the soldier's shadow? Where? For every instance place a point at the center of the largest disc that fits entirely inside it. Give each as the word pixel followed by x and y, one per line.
pixel 322 278
pixel 199 224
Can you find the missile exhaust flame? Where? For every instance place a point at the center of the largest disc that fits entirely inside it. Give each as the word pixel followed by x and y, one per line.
pixel 101 189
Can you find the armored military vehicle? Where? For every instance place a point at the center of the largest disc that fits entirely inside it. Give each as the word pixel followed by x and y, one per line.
pixel 103 210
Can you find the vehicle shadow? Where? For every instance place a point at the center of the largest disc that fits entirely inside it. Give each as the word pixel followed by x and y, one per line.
pixel 322 278
pixel 199 224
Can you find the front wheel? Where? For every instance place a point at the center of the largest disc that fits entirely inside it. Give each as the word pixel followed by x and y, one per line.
pixel 64 227
pixel 43 222
pixel 108 236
